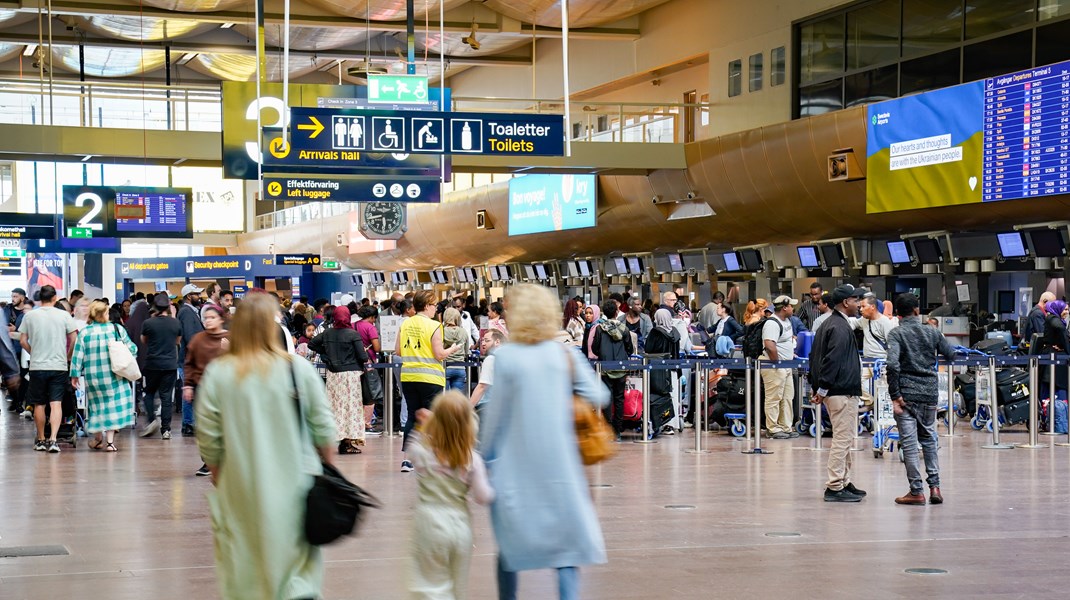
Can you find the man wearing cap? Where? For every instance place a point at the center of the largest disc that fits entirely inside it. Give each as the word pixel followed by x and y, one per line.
pixel 189 318
pixel 161 335
pixel 778 338
pixel 836 376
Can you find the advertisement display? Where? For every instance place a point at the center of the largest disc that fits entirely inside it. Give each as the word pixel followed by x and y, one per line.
pixel 540 203
pixel 218 204
pixel 44 269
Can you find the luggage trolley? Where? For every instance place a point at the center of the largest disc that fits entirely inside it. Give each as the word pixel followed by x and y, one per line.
pixel 885 434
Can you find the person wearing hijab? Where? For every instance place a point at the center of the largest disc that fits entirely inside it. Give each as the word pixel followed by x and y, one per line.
pixel 664 339
pixel 592 315
pixel 342 350
pixel 1055 340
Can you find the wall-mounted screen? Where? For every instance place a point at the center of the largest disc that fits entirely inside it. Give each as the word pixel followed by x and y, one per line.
pixel 676 262
pixel 127 212
pixel 717 262
pixel 356 279
pixel 378 277
pixel 541 203
pixel 808 258
pixel 621 265
pixel 832 255
pixel 585 267
pixel 695 261
pixel 635 265
pixel 731 261
pixel 399 277
pixel 25 226
pixel 899 252
pixel 1012 245
pixel 1048 243
pixel 751 260
pixel 928 251
pixel 462 277
pixel 540 272
pixel 1005 303
pixel 529 272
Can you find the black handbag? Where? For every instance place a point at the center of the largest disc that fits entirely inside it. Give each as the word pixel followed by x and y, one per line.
pixel 334 504
pixel 371 387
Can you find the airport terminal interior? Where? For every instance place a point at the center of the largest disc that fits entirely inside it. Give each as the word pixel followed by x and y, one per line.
pixel 689 194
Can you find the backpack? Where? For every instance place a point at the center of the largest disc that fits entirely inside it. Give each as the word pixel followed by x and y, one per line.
pixel 753 344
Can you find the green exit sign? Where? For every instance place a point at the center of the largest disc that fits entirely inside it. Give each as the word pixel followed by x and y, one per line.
pixel 79 232
pixel 397 89
pixel 330 265
pixel 14 253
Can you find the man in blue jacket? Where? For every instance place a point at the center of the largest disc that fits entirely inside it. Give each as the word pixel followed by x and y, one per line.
pixel 836 377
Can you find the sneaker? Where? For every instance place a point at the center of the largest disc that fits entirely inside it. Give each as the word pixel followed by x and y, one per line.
pixel 203 471
pixel 188 430
pixel 793 434
pixel 53 447
pixel 912 499
pixel 841 496
pixel 406 466
pixel 780 435
pixel 40 446
pixel 850 487
pixel 28 414
pixel 668 430
pixel 166 434
pixel 151 428
pixel 935 497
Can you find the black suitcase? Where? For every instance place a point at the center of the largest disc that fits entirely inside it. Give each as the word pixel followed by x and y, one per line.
pixel 1016 412
pixel 966 386
pixel 1012 385
pixel 993 347
pixel 661 410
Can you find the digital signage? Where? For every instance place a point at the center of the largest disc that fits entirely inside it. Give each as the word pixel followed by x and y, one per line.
pixel 127 212
pixel 25 226
pixel 541 203
pixel 1001 138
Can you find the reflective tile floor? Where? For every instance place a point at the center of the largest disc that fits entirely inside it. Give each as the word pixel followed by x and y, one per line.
pixel 135 524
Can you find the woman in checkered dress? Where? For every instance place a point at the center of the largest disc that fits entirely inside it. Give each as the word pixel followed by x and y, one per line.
pixel 110 398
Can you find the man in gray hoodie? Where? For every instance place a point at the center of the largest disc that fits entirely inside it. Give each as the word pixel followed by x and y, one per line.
pixel 914 388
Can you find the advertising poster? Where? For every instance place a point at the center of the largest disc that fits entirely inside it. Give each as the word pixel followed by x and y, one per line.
pixel 540 203
pixel 44 269
pixel 925 150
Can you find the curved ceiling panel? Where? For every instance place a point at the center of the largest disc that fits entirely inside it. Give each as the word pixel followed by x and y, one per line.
pixel 10 18
pixel 242 67
pixel 197 5
pixel 307 38
pixel 109 62
pixel 383 10
pixel 148 29
pixel 453 46
pixel 8 50
pixel 581 13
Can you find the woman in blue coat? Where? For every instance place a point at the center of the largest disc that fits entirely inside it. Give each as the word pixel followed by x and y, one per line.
pixel 543 516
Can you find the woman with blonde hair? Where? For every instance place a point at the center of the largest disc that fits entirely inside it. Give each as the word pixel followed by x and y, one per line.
pixel 447 468
pixel 535 380
pixel 455 335
pixel 109 398
pixel 262 418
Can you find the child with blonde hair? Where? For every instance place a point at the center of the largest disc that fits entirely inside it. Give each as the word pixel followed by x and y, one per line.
pixel 447 468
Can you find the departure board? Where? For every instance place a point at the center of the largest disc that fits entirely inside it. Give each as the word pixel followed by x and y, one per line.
pixel 1027 134
pixel 162 212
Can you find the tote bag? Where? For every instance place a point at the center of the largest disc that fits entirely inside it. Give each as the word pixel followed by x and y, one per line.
pixel 122 361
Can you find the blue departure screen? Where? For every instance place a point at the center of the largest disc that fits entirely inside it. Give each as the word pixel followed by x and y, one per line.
pixel 731 261
pixel 152 211
pixel 1011 245
pixel 1027 133
pixel 898 252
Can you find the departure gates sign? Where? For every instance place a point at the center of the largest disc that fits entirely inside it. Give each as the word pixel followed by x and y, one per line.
pixel 334 134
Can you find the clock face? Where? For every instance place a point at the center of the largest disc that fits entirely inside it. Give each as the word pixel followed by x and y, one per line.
pixel 383 218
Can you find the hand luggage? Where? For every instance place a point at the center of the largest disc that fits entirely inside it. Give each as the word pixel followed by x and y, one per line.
pixel 966 386
pixel 1015 412
pixel 661 410
pixel 633 405
pixel 993 347
pixel 1012 385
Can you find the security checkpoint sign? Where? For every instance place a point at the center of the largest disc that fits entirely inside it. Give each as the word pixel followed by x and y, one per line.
pixel 351 188
pixel 321 132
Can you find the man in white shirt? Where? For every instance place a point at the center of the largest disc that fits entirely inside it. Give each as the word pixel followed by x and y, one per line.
pixel 778 338
pixel 875 328
pixel 491 340
pixel 824 312
pixel 48 335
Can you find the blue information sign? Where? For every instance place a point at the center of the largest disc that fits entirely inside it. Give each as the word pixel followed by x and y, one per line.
pixel 281 158
pixel 329 134
pixel 351 188
pixel 539 203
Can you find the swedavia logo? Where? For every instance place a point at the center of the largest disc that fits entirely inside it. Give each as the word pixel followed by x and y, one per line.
pixel 874 119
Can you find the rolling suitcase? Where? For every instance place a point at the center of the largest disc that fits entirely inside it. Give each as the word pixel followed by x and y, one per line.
pixel 1012 385
pixel 993 347
pixel 1015 412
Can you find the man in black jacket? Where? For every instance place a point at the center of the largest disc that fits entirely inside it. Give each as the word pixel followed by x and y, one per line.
pixel 836 377
pixel 1034 322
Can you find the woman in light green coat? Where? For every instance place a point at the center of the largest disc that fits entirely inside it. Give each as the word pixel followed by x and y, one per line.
pixel 262 459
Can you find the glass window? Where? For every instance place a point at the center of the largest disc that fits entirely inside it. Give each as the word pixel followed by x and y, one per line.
pixel 735 78
pixel 986 17
pixel 776 66
pixel 1052 46
pixel 929 72
pixel 871 86
pixel 930 25
pixel 821 49
pixel 1049 9
pixel 1006 54
pixel 873 34
pixel 755 83
pixel 821 98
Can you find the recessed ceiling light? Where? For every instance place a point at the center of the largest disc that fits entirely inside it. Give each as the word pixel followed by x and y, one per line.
pixel 226 25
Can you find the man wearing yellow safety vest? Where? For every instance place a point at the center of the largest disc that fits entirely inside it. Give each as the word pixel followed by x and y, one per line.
pixel 419 349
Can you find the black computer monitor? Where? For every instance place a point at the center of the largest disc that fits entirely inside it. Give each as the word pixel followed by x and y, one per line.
pixel 731 262
pixel 635 265
pixel 1012 245
pixel 928 251
pixel 808 258
pixel 676 262
pixel 1048 243
pixel 621 265
pixel 1005 303
pixel 833 255
pixel 751 260
pixel 899 252
pixel 540 272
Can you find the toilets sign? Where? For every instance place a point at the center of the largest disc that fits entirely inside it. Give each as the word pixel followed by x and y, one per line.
pixel 329 134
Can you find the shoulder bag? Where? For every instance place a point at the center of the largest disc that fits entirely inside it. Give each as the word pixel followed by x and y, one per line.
pixel 334 504
pixel 594 436
pixel 122 361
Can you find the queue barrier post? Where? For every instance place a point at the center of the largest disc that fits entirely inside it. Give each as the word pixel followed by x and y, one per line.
pixel 756 407
pixel 700 407
pixel 952 412
pixel 645 432
pixel 388 400
pixel 747 398
pixel 1034 369
pixel 1051 399
pixel 1051 409
pixel 993 406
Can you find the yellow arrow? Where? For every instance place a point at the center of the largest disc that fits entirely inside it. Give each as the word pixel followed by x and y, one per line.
pixel 316 127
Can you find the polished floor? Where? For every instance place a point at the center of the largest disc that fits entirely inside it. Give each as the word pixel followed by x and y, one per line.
pixel 135 524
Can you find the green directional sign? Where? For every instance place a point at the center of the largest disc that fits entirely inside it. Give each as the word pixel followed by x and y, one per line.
pixel 80 232
pixel 330 265
pixel 13 253
pixel 397 89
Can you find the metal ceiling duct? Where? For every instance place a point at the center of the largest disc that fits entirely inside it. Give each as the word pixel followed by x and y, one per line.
pixel 581 13
pixel 384 10
pixel 142 29
pixel 10 18
pixel 453 46
pixel 199 5
pixel 306 38
pixel 109 62
pixel 430 69
pixel 242 67
pixel 8 50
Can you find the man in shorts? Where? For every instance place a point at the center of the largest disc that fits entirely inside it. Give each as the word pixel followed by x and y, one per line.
pixel 48 334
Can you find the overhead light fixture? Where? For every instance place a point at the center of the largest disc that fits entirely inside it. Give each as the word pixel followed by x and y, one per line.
pixel 470 39
pixel 226 25
pixel 87 157
pixel 29 50
pixel 187 57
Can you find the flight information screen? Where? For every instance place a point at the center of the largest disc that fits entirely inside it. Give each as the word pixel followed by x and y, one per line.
pixel 1027 133
pixel 153 212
